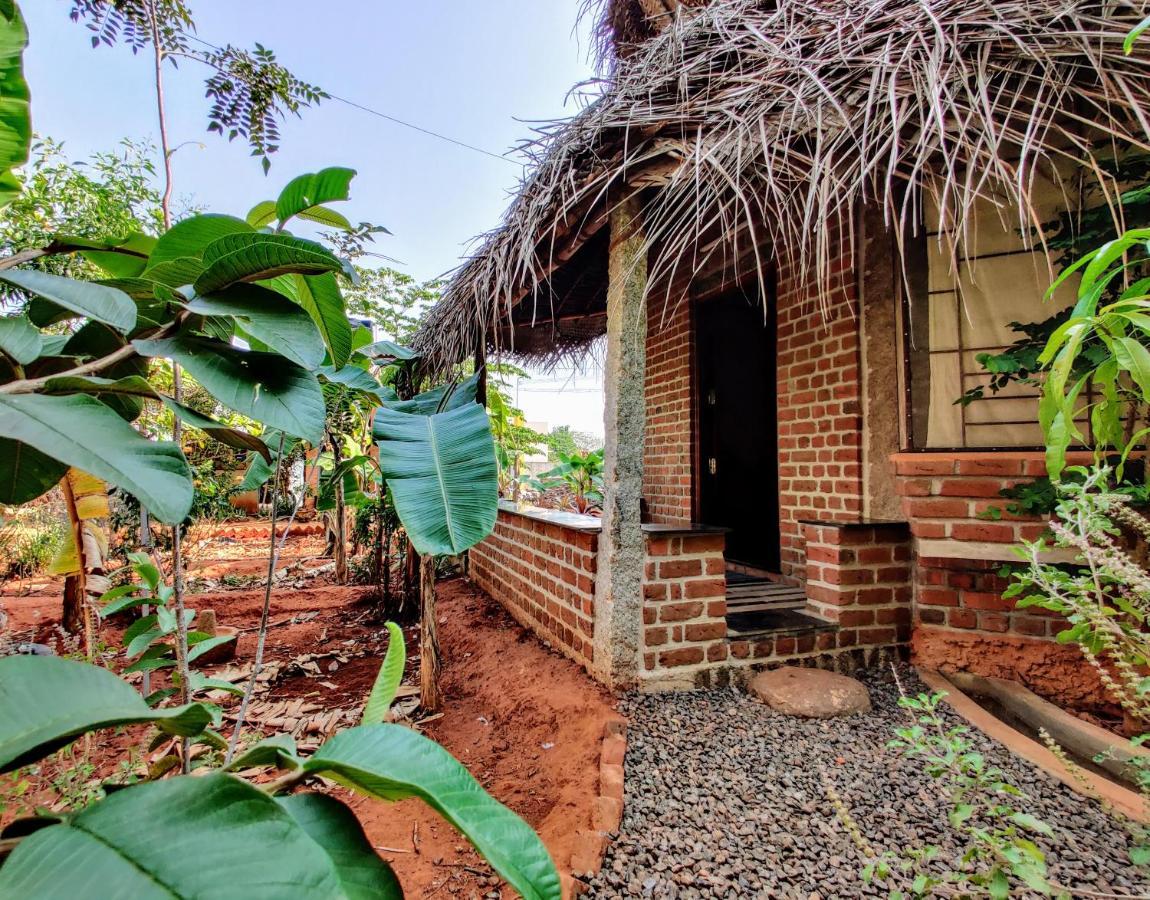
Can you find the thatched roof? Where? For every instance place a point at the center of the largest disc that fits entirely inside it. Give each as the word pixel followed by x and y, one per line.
pixel 760 121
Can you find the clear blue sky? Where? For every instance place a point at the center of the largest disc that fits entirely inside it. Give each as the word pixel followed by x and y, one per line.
pixel 471 70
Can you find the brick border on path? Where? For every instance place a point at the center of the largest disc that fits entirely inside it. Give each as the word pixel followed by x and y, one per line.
pixel 606 812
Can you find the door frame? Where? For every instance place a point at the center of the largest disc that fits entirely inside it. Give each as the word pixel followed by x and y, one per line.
pixel 770 279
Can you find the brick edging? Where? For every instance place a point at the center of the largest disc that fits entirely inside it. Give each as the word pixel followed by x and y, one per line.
pixel 606 811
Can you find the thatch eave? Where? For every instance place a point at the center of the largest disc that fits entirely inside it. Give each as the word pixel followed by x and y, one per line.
pixel 768 118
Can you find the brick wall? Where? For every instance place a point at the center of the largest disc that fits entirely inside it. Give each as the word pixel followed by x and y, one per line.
pixel 959 554
pixel 819 409
pixel 544 574
pixel 820 423
pixel 858 577
pixel 668 450
pixel 684 608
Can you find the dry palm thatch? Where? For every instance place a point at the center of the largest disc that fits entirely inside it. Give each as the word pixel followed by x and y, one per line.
pixel 764 121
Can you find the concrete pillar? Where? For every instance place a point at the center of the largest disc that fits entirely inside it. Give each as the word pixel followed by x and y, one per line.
pixel 880 292
pixel 622 551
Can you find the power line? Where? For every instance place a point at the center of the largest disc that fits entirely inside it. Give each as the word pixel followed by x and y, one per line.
pixel 421 129
pixel 394 119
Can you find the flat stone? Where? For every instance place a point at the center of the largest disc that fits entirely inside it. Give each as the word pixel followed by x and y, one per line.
pixel 810 693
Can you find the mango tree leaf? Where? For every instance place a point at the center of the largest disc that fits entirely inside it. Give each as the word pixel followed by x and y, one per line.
pixel 389 678
pixel 15 118
pixel 20 339
pixel 442 474
pixel 233 840
pixel 1135 359
pixel 321 297
pixel 125 258
pixel 25 472
pixel 325 216
pixel 81 431
pixel 269 317
pixel 278 750
pixel 394 763
pixel 174 273
pixel 258 256
pixel 262 214
pixel 312 189
pixel 262 386
pixel 96 301
pixel 362 874
pixel 191 236
pixel 45 702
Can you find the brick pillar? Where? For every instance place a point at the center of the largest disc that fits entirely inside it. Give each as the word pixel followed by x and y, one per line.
pixel 859 577
pixel 619 582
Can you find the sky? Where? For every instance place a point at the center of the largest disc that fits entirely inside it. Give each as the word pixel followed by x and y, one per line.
pixel 483 73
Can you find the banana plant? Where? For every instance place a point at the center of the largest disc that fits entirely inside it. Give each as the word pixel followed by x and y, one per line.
pixel 262 839
pixel 581 474
pixel 81 559
pixel 1120 376
pixel 437 456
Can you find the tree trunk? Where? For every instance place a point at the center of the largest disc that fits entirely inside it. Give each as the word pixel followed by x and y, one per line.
pixel 429 664
pixel 340 553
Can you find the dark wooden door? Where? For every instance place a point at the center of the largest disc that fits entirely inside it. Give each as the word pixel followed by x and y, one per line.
pixel 738 425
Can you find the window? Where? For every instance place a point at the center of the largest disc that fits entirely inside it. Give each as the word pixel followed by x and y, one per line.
pixel 962 307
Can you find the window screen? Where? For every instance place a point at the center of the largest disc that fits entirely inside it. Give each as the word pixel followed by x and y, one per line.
pixel 961 307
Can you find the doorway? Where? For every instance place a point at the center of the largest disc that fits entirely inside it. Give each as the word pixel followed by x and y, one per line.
pixel 738 463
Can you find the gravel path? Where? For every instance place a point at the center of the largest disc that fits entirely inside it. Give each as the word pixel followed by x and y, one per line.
pixel 725 798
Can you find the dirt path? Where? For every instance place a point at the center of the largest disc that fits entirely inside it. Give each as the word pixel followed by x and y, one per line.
pixel 524 720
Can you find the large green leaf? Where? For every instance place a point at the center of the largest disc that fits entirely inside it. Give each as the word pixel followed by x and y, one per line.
pixel 15 118
pixel 389 678
pixel 362 874
pixel 393 762
pixel 225 434
pixel 358 379
pixel 439 399
pixel 125 258
pixel 321 297
pixel 82 432
pixel 262 386
pixel 192 236
pixel 96 301
pixel 269 317
pixel 25 472
pixel 442 474
pixel 312 189
pixel 262 214
pixel 20 339
pixel 211 838
pixel 388 351
pixel 45 702
pixel 258 256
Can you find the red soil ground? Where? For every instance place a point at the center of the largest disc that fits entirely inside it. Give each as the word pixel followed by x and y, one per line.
pixel 525 721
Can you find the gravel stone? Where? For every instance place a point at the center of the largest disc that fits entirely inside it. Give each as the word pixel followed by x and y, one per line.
pixel 727 798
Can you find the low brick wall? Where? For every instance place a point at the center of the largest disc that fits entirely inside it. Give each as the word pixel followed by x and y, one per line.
pixel 543 572
pixel 858 577
pixel 684 609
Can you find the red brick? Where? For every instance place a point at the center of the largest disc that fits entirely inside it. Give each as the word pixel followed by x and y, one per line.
pixel 961 618
pixel 684 656
pixel 983 531
pixel 678 612
pixel 714 587
pixel 706 631
pixel 970 487
pixel 680 568
pixel 976 600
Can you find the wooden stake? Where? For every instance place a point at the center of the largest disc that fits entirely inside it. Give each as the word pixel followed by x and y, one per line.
pixel 429 663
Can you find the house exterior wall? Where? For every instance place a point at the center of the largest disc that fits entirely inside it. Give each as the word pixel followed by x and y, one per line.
pixel 669 448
